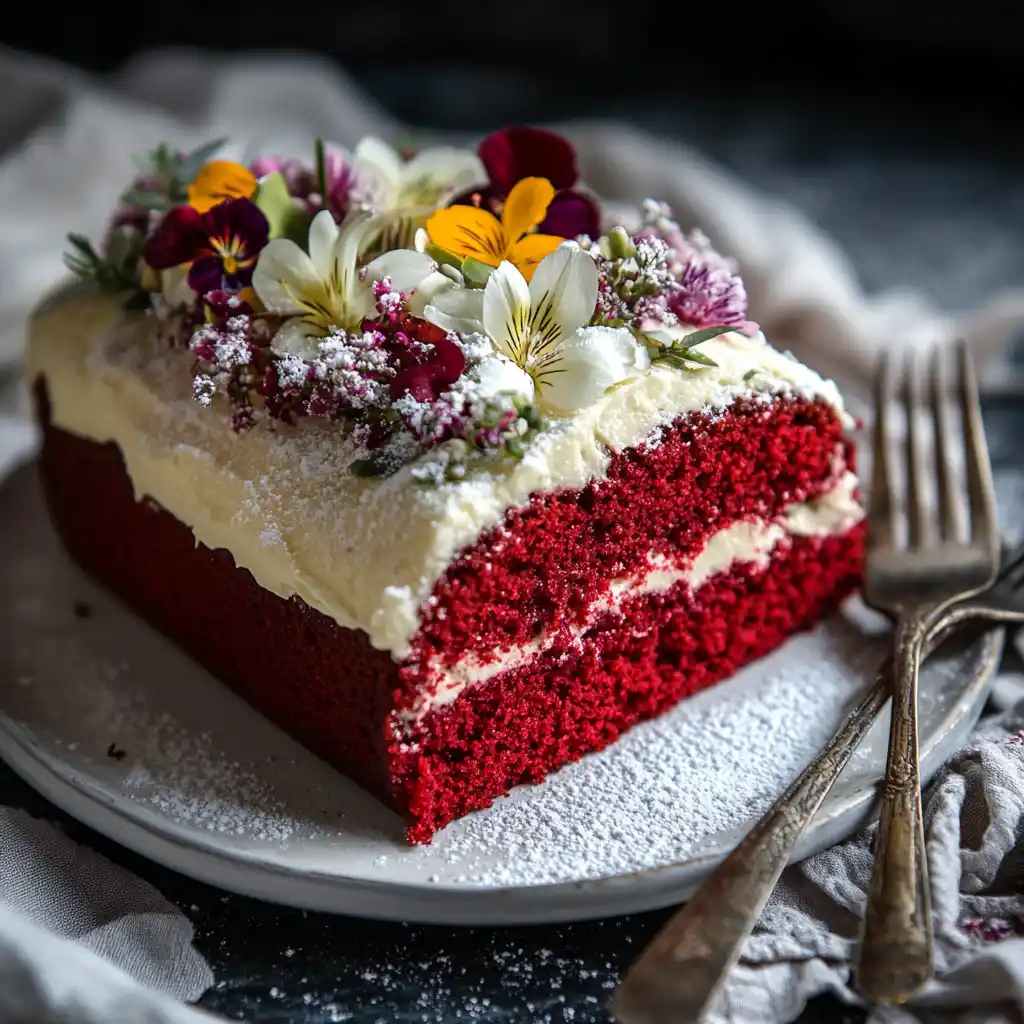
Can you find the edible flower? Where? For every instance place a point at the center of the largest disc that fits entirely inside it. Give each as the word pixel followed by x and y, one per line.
pixel 404 193
pixel 519 152
pixel 218 180
pixel 324 289
pixel 431 375
pixel 470 231
pixel 221 245
pixel 542 327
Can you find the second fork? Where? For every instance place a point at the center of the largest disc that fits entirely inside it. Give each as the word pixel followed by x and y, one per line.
pixel 914 575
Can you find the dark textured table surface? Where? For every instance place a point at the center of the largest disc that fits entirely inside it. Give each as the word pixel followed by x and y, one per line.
pixel 928 199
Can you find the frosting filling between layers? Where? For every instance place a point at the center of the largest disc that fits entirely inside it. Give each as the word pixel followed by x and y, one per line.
pixel 749 541
pixel 366 553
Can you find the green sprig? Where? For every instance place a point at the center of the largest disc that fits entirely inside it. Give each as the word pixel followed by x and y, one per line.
pixel 321 168
pixel 169 175
pixel 681 352
pixel 115 272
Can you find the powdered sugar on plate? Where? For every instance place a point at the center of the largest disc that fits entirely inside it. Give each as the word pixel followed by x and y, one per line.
pixel 119 727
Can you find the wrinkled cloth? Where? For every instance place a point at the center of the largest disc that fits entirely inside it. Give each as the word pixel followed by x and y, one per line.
pixel 84 940
pixel 98 946
pixel 804 941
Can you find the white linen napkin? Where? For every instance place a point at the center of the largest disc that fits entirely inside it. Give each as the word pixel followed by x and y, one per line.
pixel 83 941
pixel 67 141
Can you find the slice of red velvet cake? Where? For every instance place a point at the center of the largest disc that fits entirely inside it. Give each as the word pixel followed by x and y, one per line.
pixel 445 482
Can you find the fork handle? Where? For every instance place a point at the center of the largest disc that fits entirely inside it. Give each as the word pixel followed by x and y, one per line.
pixel 896 948
pixel 678 975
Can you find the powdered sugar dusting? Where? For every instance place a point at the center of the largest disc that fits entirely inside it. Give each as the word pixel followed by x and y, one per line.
pixel 656 796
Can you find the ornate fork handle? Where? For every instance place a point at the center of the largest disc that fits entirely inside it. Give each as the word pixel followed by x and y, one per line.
pixel 896 952
pixel 679 973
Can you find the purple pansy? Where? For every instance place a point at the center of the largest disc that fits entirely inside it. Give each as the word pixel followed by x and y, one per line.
pixel 221 245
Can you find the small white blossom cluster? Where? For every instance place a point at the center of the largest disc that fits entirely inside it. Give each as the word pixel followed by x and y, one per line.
pixel 356 367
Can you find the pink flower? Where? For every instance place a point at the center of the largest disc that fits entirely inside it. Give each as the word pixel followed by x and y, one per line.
pixel 710 293
pixel 301 180
pixel 299 177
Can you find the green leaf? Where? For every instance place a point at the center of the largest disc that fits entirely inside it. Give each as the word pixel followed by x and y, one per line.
pixel 147 199
pixel 192 164
pixel 750 375
pixel 698 357
pixel 321 168
pixel 443 256
pixel 475 272
pixel 660 338
pixel 698 337
pixel 285 217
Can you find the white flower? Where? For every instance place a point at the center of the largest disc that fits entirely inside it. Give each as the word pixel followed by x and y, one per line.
pixel 405 193
pixel 174 286
pixel 542 328
pixel 589 363
pixel 443 298
pixel 325 288
pixel 495 375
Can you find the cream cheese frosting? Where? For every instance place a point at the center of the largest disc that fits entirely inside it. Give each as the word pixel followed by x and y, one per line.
pixel 365 552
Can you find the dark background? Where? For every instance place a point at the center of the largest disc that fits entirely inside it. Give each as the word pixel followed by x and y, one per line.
pixel 894 124
pixel 943 51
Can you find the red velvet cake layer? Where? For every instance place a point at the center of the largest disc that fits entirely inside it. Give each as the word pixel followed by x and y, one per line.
pixel 525 724
pixel 547 563
pixel 333 692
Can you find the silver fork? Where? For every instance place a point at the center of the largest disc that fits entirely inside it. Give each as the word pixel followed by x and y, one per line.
pixel 915 578
pixel 678 975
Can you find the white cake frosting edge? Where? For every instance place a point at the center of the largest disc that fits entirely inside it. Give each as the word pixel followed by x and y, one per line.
pixel 366 553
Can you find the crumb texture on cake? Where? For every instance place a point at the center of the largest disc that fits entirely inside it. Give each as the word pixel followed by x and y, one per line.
pixel 341 698
pixel 366 553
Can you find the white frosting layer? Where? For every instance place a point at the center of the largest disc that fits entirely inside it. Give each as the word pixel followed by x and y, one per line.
pixel 367 553
pixel 750 541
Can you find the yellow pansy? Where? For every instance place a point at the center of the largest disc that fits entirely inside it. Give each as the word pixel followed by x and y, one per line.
pixel 219 180
pixel 472 231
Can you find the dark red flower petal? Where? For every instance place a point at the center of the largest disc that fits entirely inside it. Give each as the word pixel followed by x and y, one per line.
pixel 571 214
pixel 449 360
pixel 224 305
pixel 418 381
pixel 206 274
pixel 427 381
pixel 524 152
pixel 238 218
pixel 179 237
pixel 429 332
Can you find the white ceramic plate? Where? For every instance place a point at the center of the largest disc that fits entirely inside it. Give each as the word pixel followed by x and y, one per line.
pixel 112 723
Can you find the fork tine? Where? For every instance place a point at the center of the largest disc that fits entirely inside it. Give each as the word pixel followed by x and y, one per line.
pixel 917 466
pixel 882 513
pixel 984 530
pixel 949 506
